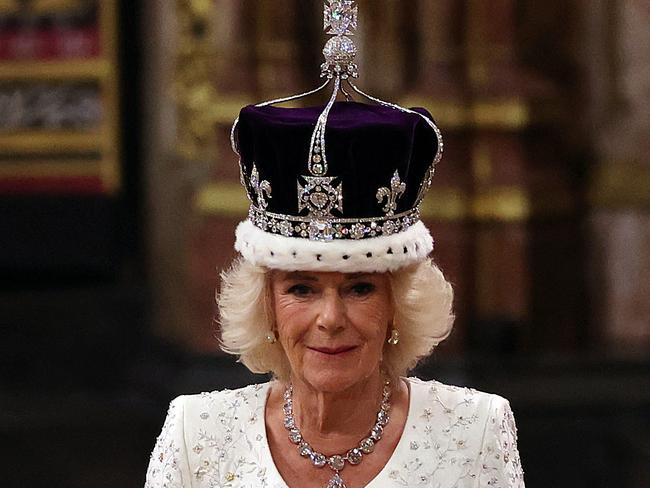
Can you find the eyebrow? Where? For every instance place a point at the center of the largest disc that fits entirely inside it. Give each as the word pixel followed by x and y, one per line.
pixel 356 276
pixel 297 275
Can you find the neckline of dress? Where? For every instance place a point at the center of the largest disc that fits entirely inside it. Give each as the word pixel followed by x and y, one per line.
pixel 277 477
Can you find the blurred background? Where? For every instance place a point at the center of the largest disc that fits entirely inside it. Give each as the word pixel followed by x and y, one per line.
pixel 119 195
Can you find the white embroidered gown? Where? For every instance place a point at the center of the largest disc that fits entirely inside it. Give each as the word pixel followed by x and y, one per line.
pixel 454 438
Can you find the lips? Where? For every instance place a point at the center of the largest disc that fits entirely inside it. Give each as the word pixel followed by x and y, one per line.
pixel 333 351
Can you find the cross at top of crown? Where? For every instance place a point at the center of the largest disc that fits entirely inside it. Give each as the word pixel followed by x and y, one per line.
pixel 340 20
pixel 340 17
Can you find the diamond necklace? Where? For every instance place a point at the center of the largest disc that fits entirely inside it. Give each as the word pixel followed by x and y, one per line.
pixel 337 462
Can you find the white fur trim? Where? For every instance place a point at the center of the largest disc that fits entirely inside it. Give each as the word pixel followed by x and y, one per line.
pixel 377 254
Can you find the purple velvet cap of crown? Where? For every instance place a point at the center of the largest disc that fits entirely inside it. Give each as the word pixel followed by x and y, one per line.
pixel 365 146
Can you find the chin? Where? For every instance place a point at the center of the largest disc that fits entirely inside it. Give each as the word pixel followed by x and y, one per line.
pixel 333 380
pixel 331 384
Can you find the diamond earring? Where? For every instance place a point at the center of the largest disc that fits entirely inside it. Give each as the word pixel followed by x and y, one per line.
pixel 270 337
pixel 393 340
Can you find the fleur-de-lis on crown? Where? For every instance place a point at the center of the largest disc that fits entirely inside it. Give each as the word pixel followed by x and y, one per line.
pixel 260 188
pixel 397 189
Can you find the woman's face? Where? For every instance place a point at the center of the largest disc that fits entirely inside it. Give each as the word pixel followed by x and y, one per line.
pixel 332 326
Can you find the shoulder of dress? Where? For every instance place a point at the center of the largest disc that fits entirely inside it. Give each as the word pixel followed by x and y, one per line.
pixel 223 399
pixel 437 391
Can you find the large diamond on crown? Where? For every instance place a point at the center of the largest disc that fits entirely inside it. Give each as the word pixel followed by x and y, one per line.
pixel 341 17
pixel 320 196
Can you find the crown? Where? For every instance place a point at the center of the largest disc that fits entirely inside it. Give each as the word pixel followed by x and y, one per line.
pixel 336 187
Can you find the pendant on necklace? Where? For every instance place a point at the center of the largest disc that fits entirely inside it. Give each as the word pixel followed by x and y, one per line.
pixel 336 482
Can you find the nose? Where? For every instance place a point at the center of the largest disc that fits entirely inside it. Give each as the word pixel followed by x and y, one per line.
pixel 331 314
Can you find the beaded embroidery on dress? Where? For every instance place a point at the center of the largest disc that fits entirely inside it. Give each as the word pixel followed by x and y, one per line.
pixel 454 438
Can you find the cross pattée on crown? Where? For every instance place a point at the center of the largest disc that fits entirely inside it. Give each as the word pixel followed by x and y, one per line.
pixel 340 17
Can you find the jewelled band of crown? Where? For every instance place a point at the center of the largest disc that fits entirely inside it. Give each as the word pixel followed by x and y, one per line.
pixel 329 229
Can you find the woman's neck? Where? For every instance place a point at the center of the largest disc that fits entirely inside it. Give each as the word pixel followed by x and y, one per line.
pixel 325 417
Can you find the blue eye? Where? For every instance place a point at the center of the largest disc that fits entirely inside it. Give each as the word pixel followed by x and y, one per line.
pixel 299 290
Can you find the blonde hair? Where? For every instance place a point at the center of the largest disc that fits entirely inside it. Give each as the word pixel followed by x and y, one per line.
pixel 422 298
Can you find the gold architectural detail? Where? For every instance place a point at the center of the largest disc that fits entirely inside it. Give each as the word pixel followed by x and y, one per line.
pixel 105 139
pixel 272 52
pixel 481 164
pixel 620 184
pixel 49 6
pixel 510 114
pixel 71 70
pixel 111 149
pixel 50 169
pixel 9 6
pixel 507 114
pixel 223 199
pixel 51 141
pixel 201 109
pixel 198 104
pixel 506 204
pixel 447 204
